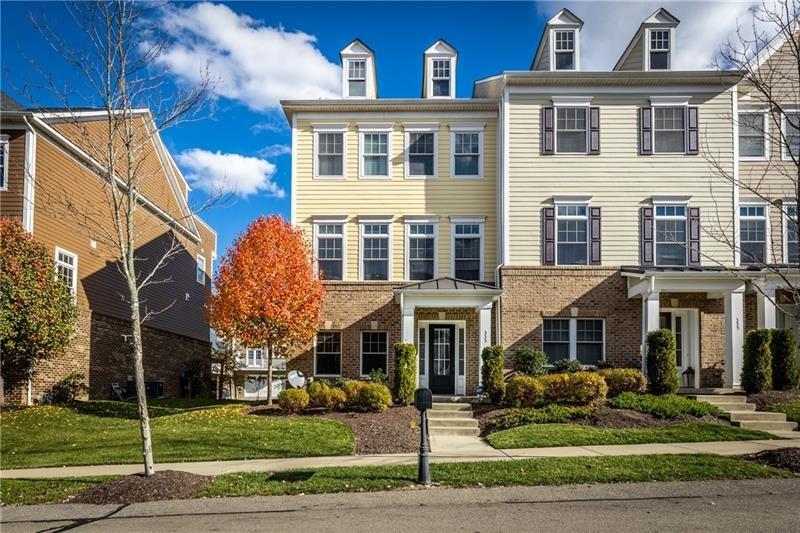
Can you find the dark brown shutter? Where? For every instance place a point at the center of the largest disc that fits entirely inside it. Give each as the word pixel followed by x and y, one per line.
pixel 694 236
pixel 548 131
pixel 595 257
pixel 647 237
pixel 646 131
pixel 693 144
pixel 549 255
pixel 594 131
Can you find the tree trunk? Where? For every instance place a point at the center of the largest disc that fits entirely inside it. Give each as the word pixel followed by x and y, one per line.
pixel 29 389
pixel 269 375
pixel 141 395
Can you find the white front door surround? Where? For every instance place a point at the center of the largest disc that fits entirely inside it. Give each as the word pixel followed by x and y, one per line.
pixel 685 325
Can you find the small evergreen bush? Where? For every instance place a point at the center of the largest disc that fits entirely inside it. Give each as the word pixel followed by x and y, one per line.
pixel 494 385
pixel 323 395
pixel 662 369
pixel 405 372
pixel 293 401
pixel 621 380
pixel 530 362
pixel 70 388
pixel 555 387
pixel 757 366
pixel 566 366
pixel 550 414
pixel 524 391
pixel 374 398
pixel 664 406
pixel 351 390
pixel 785 371
pixel 585 388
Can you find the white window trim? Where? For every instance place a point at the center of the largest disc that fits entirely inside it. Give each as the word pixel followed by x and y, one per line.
pixel 5 144
pixel 784 151
pixel 670 50
pixel 576 43
pixel 362 221
pixel 562 102
pixel 361 351
pixel 666 201
pixel 341 335
pixel 429 82
pixel 564 201
pixel 74 288
pixel 573 335
pixel 346 77
pixel 785 206
pixel 765 118
pixel 329 128
pixel 767 228
pixel 670 101
pixel 375 128
pixel 420 128
pixel 457 220
pixel 247 358
pixel 321 221
pixel 466 128
pixel 200 270
pixel 408 221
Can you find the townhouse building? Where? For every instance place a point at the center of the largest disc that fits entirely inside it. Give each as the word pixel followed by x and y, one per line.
pixel 49 163
pixel 561 209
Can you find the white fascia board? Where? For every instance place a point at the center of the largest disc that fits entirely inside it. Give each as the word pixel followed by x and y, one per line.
pixel 329 219
pixel 670 199
pixel 467 126
pixel 467 219
pixel 669 101
pixel 572 101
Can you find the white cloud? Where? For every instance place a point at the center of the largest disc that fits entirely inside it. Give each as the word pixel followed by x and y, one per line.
pixel 275 150
pixel 274 124
pixel 252 63
pixel 608 28
pixel 218 173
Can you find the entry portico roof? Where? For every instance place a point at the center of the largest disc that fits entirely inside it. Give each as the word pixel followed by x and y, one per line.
pixel 448 285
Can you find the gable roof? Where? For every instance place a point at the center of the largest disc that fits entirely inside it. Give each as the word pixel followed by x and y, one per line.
pixel 356 46
pixel 564 16
pixel 439 47
pixel 660 17
pixel 9 104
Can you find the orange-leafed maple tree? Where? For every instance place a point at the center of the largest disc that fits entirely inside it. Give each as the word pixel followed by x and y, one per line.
pixel 265 291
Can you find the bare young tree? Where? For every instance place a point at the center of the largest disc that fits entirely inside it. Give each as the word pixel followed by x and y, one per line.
pixel 119 72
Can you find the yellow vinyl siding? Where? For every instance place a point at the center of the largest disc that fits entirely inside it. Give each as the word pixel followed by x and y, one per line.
pixel 619 180
pixel 443 196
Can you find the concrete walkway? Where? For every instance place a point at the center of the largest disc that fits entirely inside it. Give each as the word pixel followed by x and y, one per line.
pixel 459 449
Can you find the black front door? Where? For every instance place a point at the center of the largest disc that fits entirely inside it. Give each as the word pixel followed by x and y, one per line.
pixel 442 374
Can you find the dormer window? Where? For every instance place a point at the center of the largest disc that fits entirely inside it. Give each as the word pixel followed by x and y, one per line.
pixel 565 50
pixel 357 77
pixel 659 49
pixel 441 77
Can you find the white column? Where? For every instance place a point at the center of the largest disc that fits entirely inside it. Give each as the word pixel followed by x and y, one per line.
pixel 651 307
pixel 767 312
pixel 734 336
pixel 407 333
pixel 485 326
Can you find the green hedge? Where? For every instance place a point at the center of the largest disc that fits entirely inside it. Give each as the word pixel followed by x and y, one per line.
pixel 785 371
pixel 405 372
pixel 664 406
pixel 757 367
pixel 493 384
pixel 530 362
pixel 662 369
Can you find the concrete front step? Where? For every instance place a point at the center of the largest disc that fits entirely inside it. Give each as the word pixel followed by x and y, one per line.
pixel 730 407
pixel 438 414
pixel 439 406
pixel 454 399
pixel 765 425
pixel 718 398
pixel 453 432
pixel 452 423
pixel 738 416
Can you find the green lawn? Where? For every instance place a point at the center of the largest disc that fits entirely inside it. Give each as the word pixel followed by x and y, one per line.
pixel 33 491
pixel 108 433
pixel 547 435
pixel 791 409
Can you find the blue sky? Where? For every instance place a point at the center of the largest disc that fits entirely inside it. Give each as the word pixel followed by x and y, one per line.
pixel 260 52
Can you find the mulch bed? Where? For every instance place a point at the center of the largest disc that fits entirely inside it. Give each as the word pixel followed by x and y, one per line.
pixel 393 431
pixel 484 412
pixel 787 458
pixel 771 397
pixel 136 488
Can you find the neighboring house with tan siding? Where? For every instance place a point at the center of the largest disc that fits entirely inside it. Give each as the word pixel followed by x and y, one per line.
pixel 593 217
pixel 49 164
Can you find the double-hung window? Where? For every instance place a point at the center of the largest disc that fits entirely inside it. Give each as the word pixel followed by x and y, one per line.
pixel 329 144
pixel 669 130
pixel 578 339
pixel 421 247
pixel 375 251
pixel 467 249
pixel 3 162
pixel 375 147
pixel 374 352
pixel 200 272
pixel 752 138
pixel 791 133
pixel 254 358
pixel 571 234
pixel 357 77
pixel 67 269
pixel 467 153
pixel 329 241
pixel 671 235
pixel 328 353
pixel 659 49
pixel 564 50
pixel 752 234
pixel 440 77
pixel 571 130
pixel 791 231
pixel 421 153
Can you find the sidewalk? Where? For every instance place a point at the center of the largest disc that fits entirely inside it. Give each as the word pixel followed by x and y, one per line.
pixel 457 452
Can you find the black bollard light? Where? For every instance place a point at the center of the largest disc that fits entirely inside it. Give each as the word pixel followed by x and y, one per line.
pixel 423 400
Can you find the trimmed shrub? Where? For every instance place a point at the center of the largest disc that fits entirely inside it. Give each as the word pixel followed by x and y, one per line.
pixel 492 372
pixel 405 372
pixel 757 366
pixel 351 390
pixel 377 375
pixel 585 388
pixel 600 365
pixel 785 371
pixel 374 397
pixel 524 391
pixel 293 401
pixel 530 362
pixel 665 406
pixel 70 387
pixel 662 370
pixel 555 387
pixel 566 366
pixel 621 380
pixel 322 395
